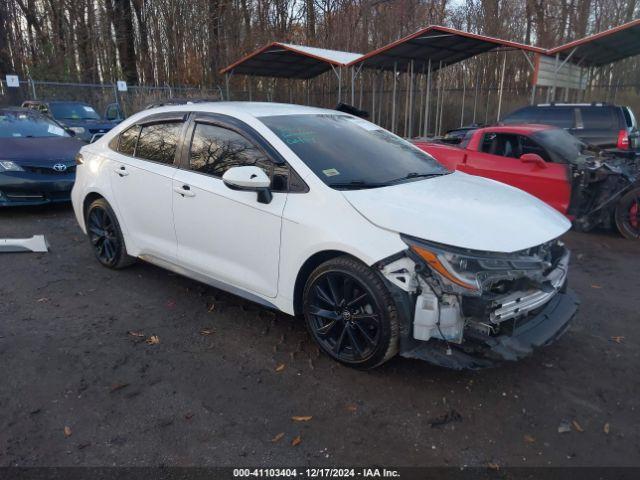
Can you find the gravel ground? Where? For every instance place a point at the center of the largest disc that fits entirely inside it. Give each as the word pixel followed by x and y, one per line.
pixel 79 389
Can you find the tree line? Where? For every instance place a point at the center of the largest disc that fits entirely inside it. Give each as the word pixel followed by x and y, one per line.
pixel 178 42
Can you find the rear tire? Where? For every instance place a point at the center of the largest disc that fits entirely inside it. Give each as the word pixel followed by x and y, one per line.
pixel 627 215
pixel 350 313
pixel 105 235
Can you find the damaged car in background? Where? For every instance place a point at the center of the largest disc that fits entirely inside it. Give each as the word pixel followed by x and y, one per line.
pixel 592 187
pixel 329 217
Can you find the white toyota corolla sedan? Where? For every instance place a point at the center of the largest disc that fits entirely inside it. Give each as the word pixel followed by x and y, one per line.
pixel 324 215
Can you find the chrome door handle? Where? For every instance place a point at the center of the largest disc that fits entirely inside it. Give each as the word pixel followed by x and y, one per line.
pixel 122 171
pixel 184 190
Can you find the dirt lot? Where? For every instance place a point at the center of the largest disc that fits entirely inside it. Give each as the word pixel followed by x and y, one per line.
pixel 210 394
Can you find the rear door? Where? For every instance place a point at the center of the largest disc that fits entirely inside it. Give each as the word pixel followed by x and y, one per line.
pixel 598 125
pixel 227 234
pixel 498 158
pixel 141 179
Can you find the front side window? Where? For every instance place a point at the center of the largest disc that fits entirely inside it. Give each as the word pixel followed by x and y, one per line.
pixel 158 142
pixel 351 153
pixel 501 144
pixel 214 150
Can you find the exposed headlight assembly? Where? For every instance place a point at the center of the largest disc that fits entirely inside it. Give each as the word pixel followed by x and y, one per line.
pixel 9 166
pixel 468 272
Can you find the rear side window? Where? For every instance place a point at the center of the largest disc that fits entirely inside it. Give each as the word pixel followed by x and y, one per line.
pixel 127 140
pixel 501 144
pixel 599 118
pixel 158 142
pixel 556 116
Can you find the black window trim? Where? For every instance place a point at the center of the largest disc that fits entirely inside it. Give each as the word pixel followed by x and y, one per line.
pixel 245 131
pixel 165 117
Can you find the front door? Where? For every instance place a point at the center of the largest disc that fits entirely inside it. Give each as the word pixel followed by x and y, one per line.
pixel 226 234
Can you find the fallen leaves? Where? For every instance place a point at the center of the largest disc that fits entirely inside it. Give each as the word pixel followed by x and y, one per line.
pixel 133 333
pixel 577 427
pixel 67 431
pixel 207 331
pixel 493 466
pixel 595 286
pixel 296 441
pixel 606 428
pixel 617 339
pixel 280 367
pixel 170 304
pixel 118 386
pixel 42 300
pixel 301 418
pixel 351 408
pixel 211 307
pixel 529 439
pixel 153 340
pixel 278 437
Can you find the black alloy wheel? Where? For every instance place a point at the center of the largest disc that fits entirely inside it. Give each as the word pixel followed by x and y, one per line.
pixel 105 235
pixel 350 313
pixel 627 215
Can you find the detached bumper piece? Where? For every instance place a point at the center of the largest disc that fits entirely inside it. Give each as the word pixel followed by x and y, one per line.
pixel 37 243
pixel 481 351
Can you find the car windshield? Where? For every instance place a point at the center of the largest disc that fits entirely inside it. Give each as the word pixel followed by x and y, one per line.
pixel 73 111
pixel 350 153
pixel 561 145
pixel 28 125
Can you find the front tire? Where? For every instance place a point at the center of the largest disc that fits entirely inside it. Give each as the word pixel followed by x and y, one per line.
pixel 350 313
pixel 105 235
pixel 627 215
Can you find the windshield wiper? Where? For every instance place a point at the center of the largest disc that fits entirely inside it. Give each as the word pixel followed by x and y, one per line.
pixel 357 185
pixel 413 175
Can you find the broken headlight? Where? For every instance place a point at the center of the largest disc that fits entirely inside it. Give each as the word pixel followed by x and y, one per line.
pixel 468 272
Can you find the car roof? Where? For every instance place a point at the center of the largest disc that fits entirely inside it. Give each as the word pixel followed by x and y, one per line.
pixel 520 128
pixel 27 111
pixel 255 109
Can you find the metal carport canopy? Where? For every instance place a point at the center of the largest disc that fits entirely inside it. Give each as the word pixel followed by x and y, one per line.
pixel 438 44
pixel 603 48
pixel 285 60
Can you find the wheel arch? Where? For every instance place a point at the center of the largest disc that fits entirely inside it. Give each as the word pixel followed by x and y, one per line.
pixel 308 267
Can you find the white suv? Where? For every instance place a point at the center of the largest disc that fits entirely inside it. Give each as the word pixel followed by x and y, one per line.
pixel 321 214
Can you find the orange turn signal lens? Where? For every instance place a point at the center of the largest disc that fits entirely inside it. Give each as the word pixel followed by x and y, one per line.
pixel 434 262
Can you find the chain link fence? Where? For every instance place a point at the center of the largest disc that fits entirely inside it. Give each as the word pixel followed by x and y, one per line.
pixel 449 107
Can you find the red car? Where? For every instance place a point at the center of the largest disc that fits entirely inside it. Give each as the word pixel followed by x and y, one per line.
pixel 551 164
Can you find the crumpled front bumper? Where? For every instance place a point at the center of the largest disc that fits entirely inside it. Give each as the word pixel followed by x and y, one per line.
pixel 479 351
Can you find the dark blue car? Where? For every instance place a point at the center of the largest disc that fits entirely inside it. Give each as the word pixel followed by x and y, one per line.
pixel 37 159
pixel 79 117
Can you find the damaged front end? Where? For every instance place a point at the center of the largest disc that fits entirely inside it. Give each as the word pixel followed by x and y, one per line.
pixel 598 183
pixel 467 309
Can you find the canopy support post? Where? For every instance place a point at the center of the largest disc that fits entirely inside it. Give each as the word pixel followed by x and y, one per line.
pixel 227 77
pixel 504 64
pixel 353 86
pixel 464 91
pixel 427 103
pixel 411 99
pixel 338 74
pixel 421 107
pixel 393 97
pixel 475 97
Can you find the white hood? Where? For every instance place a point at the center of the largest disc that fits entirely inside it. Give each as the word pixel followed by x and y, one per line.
pixel 463 211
